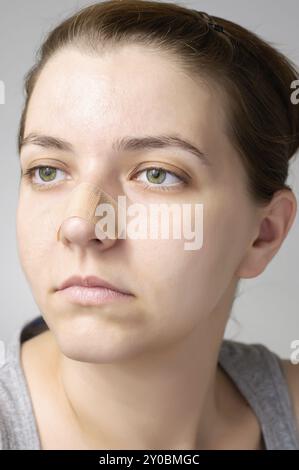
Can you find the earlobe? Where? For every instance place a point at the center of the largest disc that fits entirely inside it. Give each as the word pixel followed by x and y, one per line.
pixel 253 265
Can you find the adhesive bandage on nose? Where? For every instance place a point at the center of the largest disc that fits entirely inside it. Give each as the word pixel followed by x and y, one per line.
pixel 82 202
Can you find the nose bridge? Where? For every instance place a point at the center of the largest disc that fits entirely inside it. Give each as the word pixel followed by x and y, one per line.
pixel 82 202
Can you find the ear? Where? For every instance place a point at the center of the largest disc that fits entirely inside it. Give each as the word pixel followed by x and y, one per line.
pixel 273 225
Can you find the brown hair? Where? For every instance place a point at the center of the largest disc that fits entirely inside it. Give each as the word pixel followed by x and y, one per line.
pixel 262 122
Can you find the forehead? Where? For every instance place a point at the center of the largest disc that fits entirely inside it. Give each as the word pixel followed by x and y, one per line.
pixel 129 90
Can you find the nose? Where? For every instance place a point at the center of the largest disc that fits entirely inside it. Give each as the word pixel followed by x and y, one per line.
pixel 78 231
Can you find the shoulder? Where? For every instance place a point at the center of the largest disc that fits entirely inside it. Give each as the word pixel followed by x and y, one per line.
pixel 246 357
pixel 291 372
pixel 260 366
pixel 17 423
pixel 13 393
pixel 265 377
pixel 2 405
pixel 6 402
pixel 8 389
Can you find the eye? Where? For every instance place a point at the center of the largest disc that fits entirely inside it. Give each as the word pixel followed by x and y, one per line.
pixel 156 176
pixel 42 175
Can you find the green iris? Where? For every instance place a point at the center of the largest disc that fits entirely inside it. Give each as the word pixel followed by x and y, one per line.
pixel 156 173
pixel 47 173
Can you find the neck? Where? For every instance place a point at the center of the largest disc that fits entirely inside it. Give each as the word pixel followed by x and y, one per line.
pixel 167 398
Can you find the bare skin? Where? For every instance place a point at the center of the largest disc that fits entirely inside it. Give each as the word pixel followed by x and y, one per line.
pixel 236 426
pixel 144 374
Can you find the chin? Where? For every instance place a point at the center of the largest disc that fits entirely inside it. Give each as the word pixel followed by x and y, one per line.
pixel 97 343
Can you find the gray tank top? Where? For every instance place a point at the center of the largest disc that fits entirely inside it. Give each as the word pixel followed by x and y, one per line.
pixel 255 370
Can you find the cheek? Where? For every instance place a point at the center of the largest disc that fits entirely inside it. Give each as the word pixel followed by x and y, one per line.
pixel 174 280
pixel 34 236
pixel 174 283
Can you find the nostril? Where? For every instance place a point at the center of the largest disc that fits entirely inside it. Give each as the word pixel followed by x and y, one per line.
pixel 96 242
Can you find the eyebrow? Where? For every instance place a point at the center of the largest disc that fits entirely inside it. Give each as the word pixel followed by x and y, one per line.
pixel 122 144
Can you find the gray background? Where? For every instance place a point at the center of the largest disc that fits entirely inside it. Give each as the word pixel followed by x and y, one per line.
pixel 266 309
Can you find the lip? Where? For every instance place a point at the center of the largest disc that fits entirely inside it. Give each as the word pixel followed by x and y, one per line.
pixel 90 282
pixel 92 295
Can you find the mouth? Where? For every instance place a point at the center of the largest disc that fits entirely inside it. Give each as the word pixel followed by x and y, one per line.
pixel 91 290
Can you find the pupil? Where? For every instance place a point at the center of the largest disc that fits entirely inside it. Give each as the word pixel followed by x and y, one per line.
pixel 157 173
pixel 47 173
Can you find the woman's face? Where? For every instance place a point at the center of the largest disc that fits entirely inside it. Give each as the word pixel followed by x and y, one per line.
pixel 90 102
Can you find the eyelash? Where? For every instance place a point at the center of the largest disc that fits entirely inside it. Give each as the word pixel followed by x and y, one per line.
pixel 28 175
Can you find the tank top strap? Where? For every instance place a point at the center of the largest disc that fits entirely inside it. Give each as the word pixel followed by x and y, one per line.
pixel 257 373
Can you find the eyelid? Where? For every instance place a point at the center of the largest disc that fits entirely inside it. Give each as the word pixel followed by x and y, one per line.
pixel 163 166
pixel 53 163
pixel 37 167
